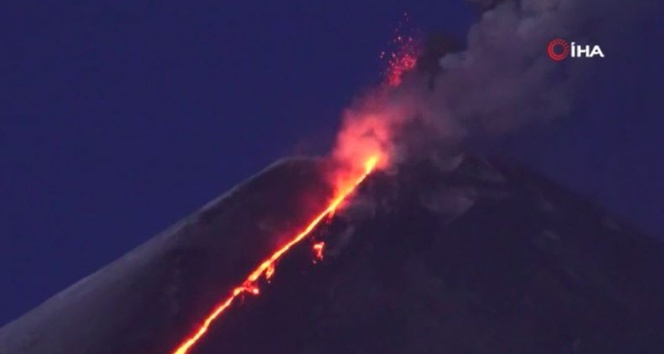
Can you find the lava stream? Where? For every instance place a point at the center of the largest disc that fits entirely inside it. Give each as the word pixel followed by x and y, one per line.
pixel 267 267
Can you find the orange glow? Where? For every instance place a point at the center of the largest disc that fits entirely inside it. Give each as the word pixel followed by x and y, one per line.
pixel 369 126
pixel 269 272
pixel 266 268
pixel 362 136
pixel 318 250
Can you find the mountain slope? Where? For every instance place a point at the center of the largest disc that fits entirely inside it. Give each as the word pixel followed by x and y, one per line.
pixel 481 259
pixel 469 256
pixel 147 300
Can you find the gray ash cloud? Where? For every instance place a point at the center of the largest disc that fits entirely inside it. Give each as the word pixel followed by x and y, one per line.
pixel 499 82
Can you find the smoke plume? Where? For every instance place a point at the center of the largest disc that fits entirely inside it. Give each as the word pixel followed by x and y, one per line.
pixel 501 81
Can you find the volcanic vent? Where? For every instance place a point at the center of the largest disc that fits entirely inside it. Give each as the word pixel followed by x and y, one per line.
pixel 469 256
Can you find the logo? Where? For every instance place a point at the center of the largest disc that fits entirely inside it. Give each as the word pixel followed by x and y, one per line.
pixel 559 50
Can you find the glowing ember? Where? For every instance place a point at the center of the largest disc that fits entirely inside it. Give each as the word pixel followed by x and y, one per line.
pixel 403 58
pixel 269 272
pixel 318 250
pixel 267 267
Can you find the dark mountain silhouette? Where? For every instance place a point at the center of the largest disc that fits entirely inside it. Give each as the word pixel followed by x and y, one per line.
pixel 466 256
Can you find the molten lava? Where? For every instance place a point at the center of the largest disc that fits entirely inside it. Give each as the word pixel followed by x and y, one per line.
pixel 266 268
pixel 318 250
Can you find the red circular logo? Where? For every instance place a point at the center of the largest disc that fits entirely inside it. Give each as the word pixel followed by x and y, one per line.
pixel 558 49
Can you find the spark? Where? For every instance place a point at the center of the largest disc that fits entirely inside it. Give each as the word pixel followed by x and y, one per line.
pixel 401 61
pixel 266 268
pixel 403 58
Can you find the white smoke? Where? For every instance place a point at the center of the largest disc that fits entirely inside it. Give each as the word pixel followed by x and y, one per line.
pixel 505 77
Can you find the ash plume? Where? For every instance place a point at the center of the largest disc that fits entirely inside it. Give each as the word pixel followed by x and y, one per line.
pixel 501 81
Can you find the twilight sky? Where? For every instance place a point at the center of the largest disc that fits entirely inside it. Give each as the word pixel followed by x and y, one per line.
pixel 116 120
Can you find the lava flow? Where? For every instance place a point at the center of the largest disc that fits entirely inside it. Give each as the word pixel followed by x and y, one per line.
pixel 266 268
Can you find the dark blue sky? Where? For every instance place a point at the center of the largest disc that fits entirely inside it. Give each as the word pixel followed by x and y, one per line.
pixel 117 120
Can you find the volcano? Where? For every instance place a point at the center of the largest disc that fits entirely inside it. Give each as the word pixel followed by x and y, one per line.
pixel 467 255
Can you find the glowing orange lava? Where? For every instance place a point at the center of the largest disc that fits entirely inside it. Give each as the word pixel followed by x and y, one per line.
pixel 401 61
pixel 266 268
pixel 318 250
